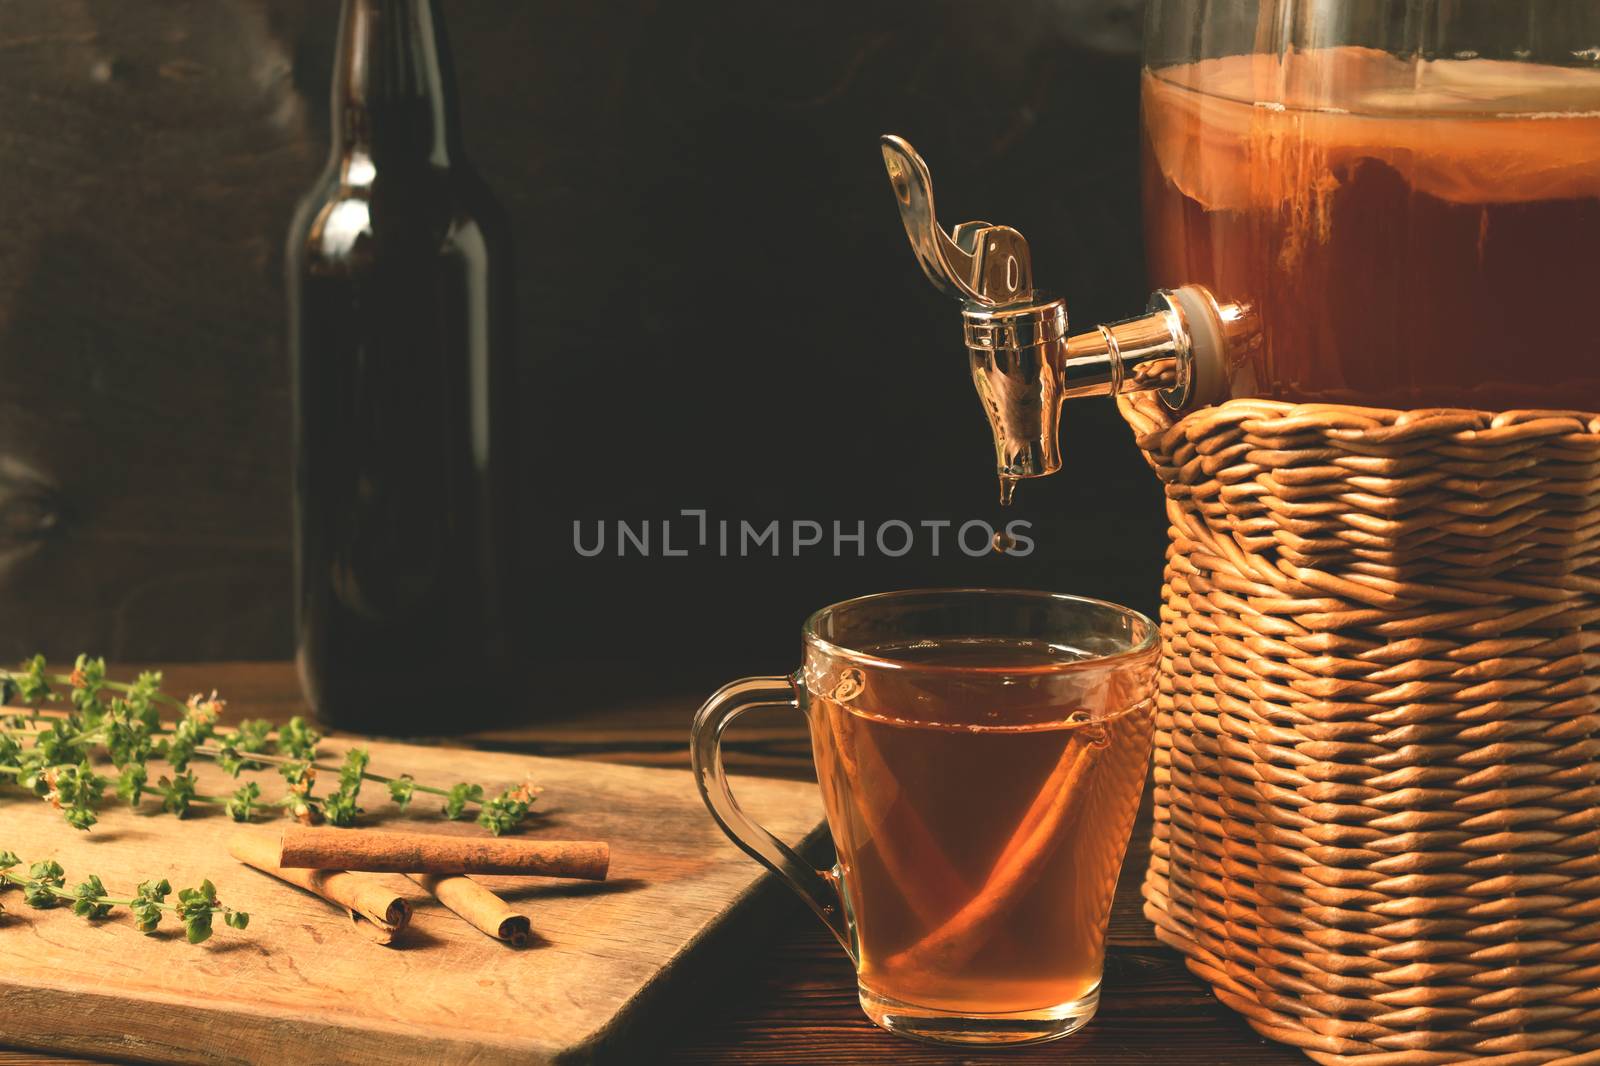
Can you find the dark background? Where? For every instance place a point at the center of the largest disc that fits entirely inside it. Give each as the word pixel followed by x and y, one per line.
pixel 718 307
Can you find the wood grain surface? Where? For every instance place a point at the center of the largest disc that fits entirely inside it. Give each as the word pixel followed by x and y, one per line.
pixel 779 990
pixel 301 986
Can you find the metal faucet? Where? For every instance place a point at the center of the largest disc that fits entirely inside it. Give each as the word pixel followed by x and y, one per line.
pixel 1025 364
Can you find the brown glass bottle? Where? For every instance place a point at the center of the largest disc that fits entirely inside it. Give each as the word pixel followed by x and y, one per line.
pixel 399 285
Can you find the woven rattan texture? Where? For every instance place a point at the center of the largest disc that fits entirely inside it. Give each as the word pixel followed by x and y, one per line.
pixel 1377 817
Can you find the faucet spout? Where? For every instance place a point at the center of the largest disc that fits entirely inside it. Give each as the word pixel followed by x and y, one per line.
pixel 1017 356
pixel 1025 365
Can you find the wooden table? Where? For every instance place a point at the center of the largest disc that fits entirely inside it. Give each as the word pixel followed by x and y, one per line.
pixel 794 1000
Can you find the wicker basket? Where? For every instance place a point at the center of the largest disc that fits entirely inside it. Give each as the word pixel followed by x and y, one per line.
pixel 1377 823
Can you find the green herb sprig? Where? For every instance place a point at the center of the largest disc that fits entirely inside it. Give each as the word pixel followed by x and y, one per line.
pixel 50 750
pixel 45 885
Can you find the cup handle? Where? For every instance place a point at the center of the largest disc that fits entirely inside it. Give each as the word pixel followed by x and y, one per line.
pixel 818 888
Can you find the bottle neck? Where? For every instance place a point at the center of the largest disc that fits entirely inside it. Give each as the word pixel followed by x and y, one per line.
pixel 393 89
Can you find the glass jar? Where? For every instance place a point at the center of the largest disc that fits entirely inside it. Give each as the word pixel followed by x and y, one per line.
pixel 1407 193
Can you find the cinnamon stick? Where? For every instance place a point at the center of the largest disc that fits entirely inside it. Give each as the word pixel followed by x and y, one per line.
pixel 912 855
pixel 375 911
pixel 480 908
pixel 389 852
pixel 1020 863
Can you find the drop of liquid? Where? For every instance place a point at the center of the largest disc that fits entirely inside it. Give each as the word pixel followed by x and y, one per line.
pixel 1002 542
pixel 1008 489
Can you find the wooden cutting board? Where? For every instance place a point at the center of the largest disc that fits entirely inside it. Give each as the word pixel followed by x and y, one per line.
pixel 299 985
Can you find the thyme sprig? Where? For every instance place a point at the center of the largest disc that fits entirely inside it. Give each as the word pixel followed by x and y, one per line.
pixel 50 750
pixel 45 885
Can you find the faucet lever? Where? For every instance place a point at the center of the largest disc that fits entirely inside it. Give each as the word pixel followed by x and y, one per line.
pixel 986 264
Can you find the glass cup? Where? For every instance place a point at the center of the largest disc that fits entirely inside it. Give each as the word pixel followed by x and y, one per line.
pixel 981 754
